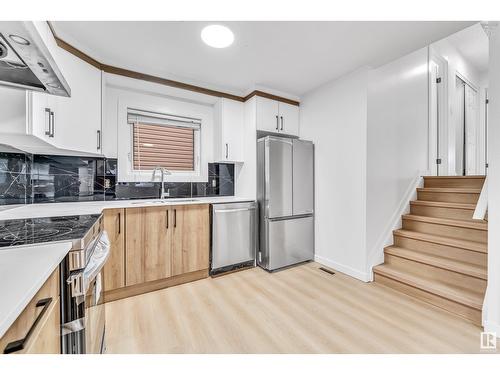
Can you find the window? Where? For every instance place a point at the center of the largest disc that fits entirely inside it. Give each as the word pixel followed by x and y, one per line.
pixel 166 141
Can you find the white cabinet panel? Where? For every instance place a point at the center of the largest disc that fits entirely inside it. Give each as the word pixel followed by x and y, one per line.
pixel 229 122
pixel 76 121
pixel 277 117
pixel 267 115
pixel 289 119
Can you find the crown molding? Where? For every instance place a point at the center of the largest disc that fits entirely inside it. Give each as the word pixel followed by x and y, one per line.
pixel 162 81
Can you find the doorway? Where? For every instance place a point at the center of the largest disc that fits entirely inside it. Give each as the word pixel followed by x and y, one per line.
pixel 466 127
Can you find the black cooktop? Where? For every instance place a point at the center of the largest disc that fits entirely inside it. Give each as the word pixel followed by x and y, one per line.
pixel 45 229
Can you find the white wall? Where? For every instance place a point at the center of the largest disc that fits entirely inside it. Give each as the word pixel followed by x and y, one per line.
pixel 122 92
pixel 12 110
pixel 334 118
pixel 396 144
pixel 492 315
pixel 370 130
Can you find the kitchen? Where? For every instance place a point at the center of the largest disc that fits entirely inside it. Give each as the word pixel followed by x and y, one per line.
pixel 134 220
pixel 167 196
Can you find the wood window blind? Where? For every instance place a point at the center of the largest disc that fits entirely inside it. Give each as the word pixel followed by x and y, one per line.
pixel 163 142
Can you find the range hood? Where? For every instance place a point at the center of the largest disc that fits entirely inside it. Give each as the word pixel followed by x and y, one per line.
pixel 25 61
pixel 29 144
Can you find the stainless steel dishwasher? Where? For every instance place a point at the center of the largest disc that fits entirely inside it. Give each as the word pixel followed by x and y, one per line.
pixel 234 231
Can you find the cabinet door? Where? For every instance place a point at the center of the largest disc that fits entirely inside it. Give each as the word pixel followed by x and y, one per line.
pixel 114 269
pixel 78 118
pixel 39 114
pixel 148 239
pixel 191 238
pixel 76 121
pixel 267 115
pixel 47 340
pixel 289 119
pixel 41 316
pixel 232 130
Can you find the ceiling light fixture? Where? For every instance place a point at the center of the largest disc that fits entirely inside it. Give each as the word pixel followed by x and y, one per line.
pixel 217 36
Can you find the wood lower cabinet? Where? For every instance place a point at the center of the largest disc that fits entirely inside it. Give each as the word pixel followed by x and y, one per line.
pixel 155 247
pixel 38 324
pixel 148 244
pixel 114 269
pixel 191 239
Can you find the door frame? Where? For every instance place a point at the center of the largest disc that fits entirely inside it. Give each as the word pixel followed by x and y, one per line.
pixel 438 128
pixel 479 125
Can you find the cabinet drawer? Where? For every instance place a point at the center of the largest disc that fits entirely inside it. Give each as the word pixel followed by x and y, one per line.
pixel 43 321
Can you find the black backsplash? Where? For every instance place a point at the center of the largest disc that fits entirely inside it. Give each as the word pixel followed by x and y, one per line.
pixel 43 178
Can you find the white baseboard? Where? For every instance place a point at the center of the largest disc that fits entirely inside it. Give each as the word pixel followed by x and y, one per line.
pixel 376 254
pixel 357 274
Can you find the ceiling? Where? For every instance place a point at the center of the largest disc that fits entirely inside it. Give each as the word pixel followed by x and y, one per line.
pixel 473 45
pixel 288 57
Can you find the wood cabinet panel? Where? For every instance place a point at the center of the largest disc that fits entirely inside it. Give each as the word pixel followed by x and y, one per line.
pixel 114 269
pixel 45 337
pixel 191 238
pixel 48 339
pixel 147 255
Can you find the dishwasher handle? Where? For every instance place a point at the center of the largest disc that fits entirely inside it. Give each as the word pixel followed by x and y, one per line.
pixel 234 209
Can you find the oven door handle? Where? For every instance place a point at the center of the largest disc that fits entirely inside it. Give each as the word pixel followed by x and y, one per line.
pixel 80 281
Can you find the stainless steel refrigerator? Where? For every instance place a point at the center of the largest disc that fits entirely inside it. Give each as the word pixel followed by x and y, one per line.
pixel 285 193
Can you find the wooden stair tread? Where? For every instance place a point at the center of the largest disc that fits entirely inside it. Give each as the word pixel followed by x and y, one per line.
pixel 453 177
pixel 472 224
pixel 464 297
pixel 464 206
pixel 438 261
pixel 442 240
pixel 450 190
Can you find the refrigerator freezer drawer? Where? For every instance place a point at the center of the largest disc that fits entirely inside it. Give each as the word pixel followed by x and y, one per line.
pixel 290 241
pixel 233 234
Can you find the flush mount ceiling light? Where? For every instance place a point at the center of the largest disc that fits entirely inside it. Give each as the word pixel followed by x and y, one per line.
pixel 217 36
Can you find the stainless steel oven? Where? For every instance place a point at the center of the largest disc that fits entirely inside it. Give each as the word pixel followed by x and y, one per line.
pixel 82 308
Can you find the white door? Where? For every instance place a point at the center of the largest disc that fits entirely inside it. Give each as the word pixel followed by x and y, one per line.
pixel 471 131
pixel 267 115
pixel 289 119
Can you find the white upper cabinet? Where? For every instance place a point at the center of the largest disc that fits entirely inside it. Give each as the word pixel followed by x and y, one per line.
pixel 70 123
pixel 277 117
pixel 289 119
pixel 229 126
pixel 267 115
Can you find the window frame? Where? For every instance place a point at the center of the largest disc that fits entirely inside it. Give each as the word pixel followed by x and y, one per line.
pixel 193 123
pixel 170 106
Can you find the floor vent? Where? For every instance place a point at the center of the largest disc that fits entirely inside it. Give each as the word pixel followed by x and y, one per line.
pixel 327 270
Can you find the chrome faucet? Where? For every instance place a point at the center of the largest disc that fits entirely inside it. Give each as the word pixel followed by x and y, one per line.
pixel 163 171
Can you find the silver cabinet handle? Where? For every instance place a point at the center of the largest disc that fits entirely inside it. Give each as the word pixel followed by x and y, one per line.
pixel 52 125
pixel 277 122
pixel 227 150
pixel 281 122
pixel 98 139
pixel 47 121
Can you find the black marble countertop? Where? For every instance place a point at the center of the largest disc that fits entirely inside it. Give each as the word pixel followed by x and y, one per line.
pixel 46 229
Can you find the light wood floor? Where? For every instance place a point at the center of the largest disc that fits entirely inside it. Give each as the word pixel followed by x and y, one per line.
pixel 298 310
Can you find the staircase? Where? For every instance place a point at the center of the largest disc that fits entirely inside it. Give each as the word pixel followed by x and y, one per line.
pixel 440 253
